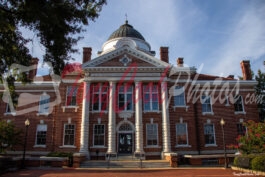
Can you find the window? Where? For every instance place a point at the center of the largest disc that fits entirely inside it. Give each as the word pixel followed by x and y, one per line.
pixel 152 134
pixel 238 104
pixel 182 135
pixel 71 96
pixel 100 97
pixel 227 101
pixel 209 134
pixel 206 104
pixel 99 135
pixel 69 134
pixel 151 97
pixel 41 134
pixel 125 98
pixel 44 103
pixel 241 129
pixel 179 96
pixel 8 110
pixel 11 106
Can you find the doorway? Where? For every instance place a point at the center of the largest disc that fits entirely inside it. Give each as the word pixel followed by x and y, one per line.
pixel 125 143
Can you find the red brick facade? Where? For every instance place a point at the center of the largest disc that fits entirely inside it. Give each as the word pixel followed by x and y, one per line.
pixel 138 67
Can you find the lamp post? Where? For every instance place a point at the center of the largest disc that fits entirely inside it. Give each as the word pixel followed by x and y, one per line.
pixel 222 122
pixel 25 143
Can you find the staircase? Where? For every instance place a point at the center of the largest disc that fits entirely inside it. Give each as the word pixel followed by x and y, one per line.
pixel 125 162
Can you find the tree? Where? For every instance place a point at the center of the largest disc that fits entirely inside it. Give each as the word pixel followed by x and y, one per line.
pixel 254 139
pixel 56 23
pixel 260 93
pixel 9 135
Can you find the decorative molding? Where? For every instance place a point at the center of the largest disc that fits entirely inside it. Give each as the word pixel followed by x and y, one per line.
pixel 125 49
pixel 123 69
pixel 125 60
pixel 125 114
pixel 70 107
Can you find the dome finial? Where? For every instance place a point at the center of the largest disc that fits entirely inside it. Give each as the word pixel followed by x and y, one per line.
pixel 126 20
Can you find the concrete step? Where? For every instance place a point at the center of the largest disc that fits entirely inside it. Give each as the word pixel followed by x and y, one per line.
pixel 126 164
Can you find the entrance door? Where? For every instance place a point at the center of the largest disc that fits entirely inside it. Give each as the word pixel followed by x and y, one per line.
pixel 125 143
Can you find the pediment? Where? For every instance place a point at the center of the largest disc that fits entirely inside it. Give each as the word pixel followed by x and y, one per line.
pixel 124 57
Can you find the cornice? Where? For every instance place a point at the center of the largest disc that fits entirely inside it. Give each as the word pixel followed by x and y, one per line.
pixel 125 50
pixel 124 69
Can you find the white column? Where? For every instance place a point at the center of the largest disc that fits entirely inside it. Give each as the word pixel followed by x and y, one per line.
pixel 165 119
pixel 112 120
pixel 138 119
pixel 85 120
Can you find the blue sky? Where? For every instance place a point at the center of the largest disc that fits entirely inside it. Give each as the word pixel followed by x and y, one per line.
pixel 215 33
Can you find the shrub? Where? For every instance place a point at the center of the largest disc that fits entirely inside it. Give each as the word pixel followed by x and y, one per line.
pixel 236 161
pixel 244 161
pixel 258 163
pixel 60 154
pixel 254 139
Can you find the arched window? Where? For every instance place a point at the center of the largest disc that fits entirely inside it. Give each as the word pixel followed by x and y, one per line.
pixel 125 127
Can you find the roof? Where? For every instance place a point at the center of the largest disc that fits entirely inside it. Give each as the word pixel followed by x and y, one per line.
pixel 211 77
pixel 126 30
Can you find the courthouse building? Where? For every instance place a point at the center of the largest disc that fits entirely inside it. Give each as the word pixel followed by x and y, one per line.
pixel 126 101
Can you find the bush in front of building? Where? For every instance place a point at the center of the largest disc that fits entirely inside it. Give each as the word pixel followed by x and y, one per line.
pixel 251 161
pixel 60 154
pixel 63 154
pixel 258 163
pixel 254 139
pixel 244 161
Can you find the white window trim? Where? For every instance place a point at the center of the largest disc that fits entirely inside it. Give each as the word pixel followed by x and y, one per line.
pixel 207 113
pixel 40 145
pixel 70 107
pixel 9 113
pixel 99 92
pixel 94 135
pixel 227 101
pixel 71 146
pixel 243 106
pixel 183 145
pixel 67 146
pixel 125 96
pixel 210 145
pixel 45 96
pixel 67 106
pixel 150 91
pixel 157 138
pixel 180 106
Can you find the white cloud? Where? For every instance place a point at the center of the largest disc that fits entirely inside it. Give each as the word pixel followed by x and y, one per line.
pixel 246 41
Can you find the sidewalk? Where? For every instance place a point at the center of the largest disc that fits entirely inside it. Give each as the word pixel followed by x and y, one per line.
pixel 183 172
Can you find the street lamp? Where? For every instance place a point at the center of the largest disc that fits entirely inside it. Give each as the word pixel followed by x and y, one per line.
pixel 222 122
pixel 25 143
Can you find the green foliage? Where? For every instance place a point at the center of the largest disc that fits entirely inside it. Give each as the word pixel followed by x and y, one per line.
pixel 236 161
pixel 259 90
pixel 258 163
pixel 254 139
pixel 60 154
pixel 245 161
pixel 56 24
pixel 9 136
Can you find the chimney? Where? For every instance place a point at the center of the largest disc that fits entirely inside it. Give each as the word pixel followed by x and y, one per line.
pixel 246 71
pixel 164 54
pixel 87 54
pixel 33 71
pixel 180 62
pixel 230 76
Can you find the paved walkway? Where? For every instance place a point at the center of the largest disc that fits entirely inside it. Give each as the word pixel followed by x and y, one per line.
pixel 195 172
